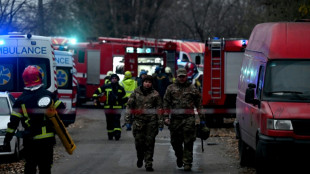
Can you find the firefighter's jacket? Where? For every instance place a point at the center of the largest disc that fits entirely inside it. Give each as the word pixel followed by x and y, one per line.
pixel 107 81
pixel 114 93
pixel 129 86
pixel 37 126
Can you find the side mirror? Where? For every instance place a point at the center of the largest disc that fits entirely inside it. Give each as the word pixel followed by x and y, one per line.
pixel 250 93
pixel 197 60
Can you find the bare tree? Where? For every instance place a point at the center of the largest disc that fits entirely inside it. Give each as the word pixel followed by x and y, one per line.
pixel 179 19
pixel 204 18
pixel 8 12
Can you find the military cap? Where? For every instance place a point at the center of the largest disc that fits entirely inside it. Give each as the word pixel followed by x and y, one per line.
pixel 181 72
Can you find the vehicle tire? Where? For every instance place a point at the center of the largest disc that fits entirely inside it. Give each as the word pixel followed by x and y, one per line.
pixel 260 161
pixel 246 154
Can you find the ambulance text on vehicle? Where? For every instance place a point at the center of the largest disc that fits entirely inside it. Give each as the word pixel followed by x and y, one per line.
pixel 19 51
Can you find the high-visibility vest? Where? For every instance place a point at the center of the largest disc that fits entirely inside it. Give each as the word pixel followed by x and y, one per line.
pixel 129 88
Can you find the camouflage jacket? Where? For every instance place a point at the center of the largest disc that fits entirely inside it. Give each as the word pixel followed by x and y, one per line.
pixel 144 107
pixel 181 99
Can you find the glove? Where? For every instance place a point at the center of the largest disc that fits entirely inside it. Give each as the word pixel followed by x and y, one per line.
pixel 161 129
pixel 202 123
pixel 128 125
pixel 95 102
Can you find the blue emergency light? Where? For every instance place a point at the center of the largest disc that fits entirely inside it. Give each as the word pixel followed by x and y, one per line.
pixel 148 50
pixel 1 42
pixel 243 42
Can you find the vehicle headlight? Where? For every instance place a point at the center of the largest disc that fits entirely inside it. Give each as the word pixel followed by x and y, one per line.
pixel 279 124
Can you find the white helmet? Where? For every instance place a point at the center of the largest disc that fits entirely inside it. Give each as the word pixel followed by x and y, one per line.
pixel 109 73
pixel 167 70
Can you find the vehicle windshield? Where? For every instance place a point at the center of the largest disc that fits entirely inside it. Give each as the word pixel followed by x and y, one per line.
pixel 4 107
pixel 287 80
pixel 12 68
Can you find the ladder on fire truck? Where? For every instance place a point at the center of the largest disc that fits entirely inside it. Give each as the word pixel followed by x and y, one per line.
pixel 216 45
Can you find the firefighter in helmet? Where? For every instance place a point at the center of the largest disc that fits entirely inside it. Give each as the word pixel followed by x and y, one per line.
pixel 170 75
pixel 142 75
pixel 107 78
pixel 128 84
pixel 113 103
pixel 39 134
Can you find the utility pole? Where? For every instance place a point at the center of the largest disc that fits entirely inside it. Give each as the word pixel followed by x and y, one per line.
pixel 41 18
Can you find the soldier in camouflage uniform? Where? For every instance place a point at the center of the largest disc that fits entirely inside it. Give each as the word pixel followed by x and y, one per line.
pixel 144 110
pixel 180 100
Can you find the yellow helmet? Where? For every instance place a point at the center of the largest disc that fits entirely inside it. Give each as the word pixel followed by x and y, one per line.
pixel 128 75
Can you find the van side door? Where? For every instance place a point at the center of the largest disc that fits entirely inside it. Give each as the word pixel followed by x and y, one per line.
pixel 255 112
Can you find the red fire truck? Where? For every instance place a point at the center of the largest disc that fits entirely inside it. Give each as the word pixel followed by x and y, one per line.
pixel 222 65
pixel 95 58
pixel 171 53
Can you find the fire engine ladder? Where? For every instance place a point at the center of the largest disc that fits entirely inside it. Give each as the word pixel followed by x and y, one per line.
pixel 216 45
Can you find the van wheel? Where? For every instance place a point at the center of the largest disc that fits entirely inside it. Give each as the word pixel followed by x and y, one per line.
pixel 262 165
pixel 246 154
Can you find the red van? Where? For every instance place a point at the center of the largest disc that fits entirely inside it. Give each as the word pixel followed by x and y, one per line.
pixel 273 99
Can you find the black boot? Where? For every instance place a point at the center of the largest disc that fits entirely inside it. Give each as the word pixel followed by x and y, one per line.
pixel 140 163
pixel 110 135
pixel 117 135
pixel 149 169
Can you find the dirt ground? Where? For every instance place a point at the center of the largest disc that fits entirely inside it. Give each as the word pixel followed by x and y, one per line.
pixel 225 135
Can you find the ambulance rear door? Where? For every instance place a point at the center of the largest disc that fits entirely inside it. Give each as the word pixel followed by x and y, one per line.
pixel 16 53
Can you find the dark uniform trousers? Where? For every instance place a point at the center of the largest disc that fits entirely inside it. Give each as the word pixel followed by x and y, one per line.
pixel 145 133
pixel 38 154
pixel 182 131
pixel 113 117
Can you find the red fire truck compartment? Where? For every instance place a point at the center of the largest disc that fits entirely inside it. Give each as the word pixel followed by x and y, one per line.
pixel 222 65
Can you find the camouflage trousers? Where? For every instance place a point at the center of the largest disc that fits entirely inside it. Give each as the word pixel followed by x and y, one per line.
pixel 145 133
pixel 183 131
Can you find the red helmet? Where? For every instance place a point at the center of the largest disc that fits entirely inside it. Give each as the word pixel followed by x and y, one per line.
pixel 32 76
pixel 191 69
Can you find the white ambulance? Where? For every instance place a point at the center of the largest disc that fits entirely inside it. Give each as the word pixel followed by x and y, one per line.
pixel 17 51
pixel 67 84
